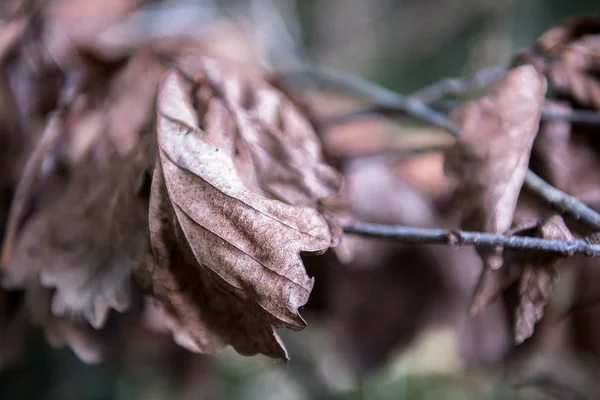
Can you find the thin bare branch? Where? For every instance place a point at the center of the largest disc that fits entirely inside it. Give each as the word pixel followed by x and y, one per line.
pixel 587 117
pixel 459 86
pixel 560 201
pixel 412 235
pixel 357 86
pixel 397 154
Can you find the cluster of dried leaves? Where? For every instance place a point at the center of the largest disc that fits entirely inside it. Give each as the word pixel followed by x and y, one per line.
pixel 501 136
pixel 162 166
pixel 162 179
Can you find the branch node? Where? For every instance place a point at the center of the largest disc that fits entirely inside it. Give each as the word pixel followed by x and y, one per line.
pixel 454 238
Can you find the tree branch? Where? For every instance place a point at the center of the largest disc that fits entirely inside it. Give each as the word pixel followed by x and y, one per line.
pixel 560 201
pixel 397 154
pixel 414 235
pixel 587 117
pixel 355 85
pixel 459 86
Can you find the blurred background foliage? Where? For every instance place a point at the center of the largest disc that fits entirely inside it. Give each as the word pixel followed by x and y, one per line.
pixel 403 45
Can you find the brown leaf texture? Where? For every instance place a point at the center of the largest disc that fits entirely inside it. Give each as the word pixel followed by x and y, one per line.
pixel 489 161
pixel 224 259
pixel 538 278
pixel 268 133
pixel 535 271
pixel 86 243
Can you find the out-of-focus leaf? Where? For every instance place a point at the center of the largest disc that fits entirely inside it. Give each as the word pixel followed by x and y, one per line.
pixel 61 331
pixel 86 244
pixel 232 205
pixel 131 101
pixel 569 55
pixel 537 279
pixel 489 161
pixel 535 271
pixel 31 175
pixel 10 33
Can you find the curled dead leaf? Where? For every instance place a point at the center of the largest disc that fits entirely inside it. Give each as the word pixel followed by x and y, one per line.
pixel 537 280
pixel 232 207
pixel 535 271
pixel 489 161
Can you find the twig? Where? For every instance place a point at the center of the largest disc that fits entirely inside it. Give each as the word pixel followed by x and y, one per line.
pixel 396 154
pixel 560 201
pixel 587 117
pixel 343 81
pixel 458 86
pixel 352 115
pixel 412 235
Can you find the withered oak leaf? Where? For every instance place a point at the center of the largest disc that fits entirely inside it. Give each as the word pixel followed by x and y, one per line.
pixel 489 161
pixel 535 271
pixel 539 274
pixel 232 206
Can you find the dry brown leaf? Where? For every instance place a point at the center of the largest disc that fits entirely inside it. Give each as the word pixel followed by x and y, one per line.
pixel 537 279
pixel 86 243
pixel 131 102
pixel 269 133
pixel 60 331
pixel 492 282
pixel 581 86
pixel 224 262
pixel 576 43
pixel 10 32
pixel 70 24
pixel 569 55
pixel 536 272
pixel 489 161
